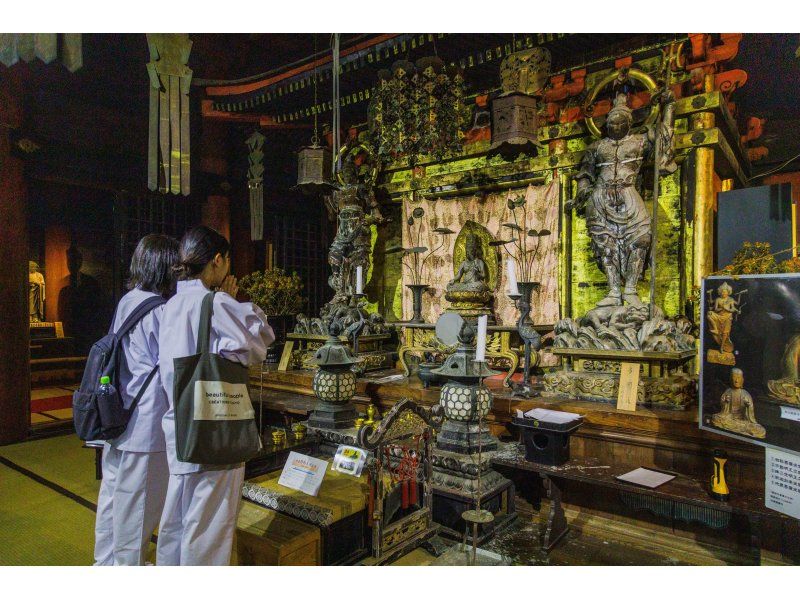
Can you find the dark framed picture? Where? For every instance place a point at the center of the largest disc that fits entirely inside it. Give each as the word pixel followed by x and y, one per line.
pixel 750 353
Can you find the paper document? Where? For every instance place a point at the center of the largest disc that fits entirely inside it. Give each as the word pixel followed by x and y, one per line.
pixel 646 477
pixel 553 417
pixel 782 488
pixel 303 473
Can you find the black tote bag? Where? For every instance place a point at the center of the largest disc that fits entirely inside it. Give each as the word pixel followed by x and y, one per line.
pixel 214 418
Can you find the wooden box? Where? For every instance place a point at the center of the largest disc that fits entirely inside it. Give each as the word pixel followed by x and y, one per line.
pixel 266 537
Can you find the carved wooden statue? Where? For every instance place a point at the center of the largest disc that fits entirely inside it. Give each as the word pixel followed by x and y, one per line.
pixel 618 222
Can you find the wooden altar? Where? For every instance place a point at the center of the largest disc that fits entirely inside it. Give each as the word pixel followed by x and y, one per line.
pixel 667 440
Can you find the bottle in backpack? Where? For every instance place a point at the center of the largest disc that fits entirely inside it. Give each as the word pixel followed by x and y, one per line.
pixel 97 407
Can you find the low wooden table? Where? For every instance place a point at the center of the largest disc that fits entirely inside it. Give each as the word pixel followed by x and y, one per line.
pixel 683 491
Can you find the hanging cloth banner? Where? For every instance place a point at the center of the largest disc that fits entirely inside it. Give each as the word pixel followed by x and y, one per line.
pixel 255 182
pixel 168 149
pixel 44 46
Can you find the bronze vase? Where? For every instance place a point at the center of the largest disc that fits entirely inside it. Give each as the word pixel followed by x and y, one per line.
pixel 416 294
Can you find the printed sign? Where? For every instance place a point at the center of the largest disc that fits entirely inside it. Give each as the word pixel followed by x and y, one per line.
pixel 221 401
pixel 792 413
pixel 782 487
pixel 303 473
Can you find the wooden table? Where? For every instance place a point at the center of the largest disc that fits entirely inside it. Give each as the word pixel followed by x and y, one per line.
pixel 682 491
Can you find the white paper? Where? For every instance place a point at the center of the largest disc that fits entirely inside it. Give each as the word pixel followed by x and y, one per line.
pixel 349 460
pixel 359 280
pixel 782 485
pixel 646 477
pixel 480 352
pixel 303 473
pixel 551 416
pixel 511 269
pixel 792 413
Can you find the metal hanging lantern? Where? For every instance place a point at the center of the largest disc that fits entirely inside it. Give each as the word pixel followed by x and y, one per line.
pixel 314 169
pixel 314 165
pixel 334 384
pixel 515 120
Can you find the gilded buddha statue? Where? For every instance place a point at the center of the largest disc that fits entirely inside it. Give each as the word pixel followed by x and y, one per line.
pixel 721 313
pixel 35 293
pixel 737 412
pixel 468 290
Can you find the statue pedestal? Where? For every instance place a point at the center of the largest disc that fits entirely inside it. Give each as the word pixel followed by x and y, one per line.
pixel 455 487
pixel 593 375
pixel 470 305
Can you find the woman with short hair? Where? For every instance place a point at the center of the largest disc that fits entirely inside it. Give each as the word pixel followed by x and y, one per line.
pixel 135 472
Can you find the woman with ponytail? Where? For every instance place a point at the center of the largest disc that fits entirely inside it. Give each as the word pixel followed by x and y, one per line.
pixel 202 503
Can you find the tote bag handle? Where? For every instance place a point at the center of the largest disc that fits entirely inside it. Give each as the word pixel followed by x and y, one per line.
pixel 204 332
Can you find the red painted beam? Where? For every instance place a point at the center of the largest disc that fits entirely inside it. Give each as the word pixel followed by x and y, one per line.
pixel 262 120
pixel 230 90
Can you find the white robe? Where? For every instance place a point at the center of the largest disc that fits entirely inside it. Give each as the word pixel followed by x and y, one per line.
pixel 202 501
pixel 135 472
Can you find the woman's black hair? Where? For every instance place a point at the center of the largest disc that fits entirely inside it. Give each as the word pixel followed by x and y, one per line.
pixel 198 247
pixel 153 265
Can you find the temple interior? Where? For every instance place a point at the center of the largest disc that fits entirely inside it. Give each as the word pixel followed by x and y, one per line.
pixel 533 295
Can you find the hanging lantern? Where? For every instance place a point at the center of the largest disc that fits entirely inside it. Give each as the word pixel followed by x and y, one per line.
pixel 515 120
pixel 314 172
pixel 314 169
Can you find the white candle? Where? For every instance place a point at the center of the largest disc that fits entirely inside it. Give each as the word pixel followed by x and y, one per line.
pixel 511 267
pixel 480 352
pixel 359 280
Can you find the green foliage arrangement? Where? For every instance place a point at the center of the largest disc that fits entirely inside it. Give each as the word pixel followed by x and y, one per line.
pixel 274 291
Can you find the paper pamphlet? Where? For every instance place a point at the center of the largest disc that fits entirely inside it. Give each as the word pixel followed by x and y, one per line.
pixel 303 473
pixel 646 477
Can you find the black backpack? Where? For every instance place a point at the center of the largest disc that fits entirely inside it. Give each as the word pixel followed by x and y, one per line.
pixel 100 416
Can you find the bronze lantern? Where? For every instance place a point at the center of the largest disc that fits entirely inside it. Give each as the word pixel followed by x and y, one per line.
pixel 334 383
pixel 515 121
pixel 314 169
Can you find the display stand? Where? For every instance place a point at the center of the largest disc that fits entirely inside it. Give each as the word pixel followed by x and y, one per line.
pixel 594 375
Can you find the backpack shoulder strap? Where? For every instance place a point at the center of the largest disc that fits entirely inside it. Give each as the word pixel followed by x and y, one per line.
pixel 141 311
pixel 145 384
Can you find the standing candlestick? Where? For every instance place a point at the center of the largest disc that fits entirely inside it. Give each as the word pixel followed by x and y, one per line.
pixel 511 268
pixel 480 352
pixel 359 280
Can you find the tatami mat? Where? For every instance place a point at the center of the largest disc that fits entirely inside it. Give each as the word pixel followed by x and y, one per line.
pixel 40 526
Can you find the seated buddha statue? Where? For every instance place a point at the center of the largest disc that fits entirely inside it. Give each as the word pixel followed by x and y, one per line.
pixel 737 413
pixel 472 273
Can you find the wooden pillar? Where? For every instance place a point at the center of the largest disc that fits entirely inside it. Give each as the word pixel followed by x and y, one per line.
pixel 15 332
pixel 704 202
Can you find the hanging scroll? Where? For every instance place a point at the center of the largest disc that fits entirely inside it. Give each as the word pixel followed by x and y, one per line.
pixel 255 182
pixel 168 149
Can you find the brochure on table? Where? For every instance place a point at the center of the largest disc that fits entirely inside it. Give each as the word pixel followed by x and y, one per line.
pixel 303 473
